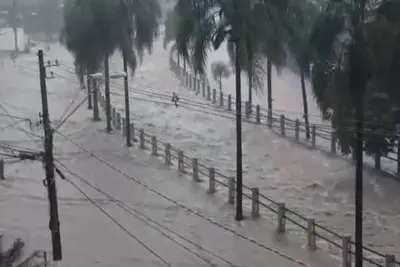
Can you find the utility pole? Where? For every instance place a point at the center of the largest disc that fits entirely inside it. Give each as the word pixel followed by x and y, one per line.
pixel 239 168
pixel 96 114
pixel 89 91
pixel 48 159
pixel 127 109
pixel 358 85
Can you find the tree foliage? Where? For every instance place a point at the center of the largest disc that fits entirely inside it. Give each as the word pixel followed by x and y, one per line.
pixel 94 29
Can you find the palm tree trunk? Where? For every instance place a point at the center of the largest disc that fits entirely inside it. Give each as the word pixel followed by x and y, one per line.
pixel 178 59
pixel 89 91
pixel 220 83
pixel 184 64
pixel 107 92
pixel 269 84
pixel 96 114
pixel 15 30
pixel 250 81
pixel 305 103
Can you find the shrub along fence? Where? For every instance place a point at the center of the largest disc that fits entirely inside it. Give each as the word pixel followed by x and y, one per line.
pixel 315 233
pixel 322 136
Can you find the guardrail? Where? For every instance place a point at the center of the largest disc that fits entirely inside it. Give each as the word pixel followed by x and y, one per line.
pixel 273 120
pixel 314 232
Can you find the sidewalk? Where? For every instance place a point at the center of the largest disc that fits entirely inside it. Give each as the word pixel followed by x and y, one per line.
pixel 89 237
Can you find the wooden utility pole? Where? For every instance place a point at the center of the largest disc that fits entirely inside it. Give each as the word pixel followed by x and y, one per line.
pixel 48 159
pixel 127 109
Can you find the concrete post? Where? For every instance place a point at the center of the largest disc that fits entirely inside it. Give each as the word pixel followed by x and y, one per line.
pixel 118 122
pixel 181 166
pixel 1 249
pixel 281 218
pixel 214 96
pixel 346 254
pixel 390 260
pixel 311 238
pixel 132 137
pixel 2 175
pixel 195 166
pixel 221 98
pixel 168 154
pixel 270 118
pixel 229 102
pixel 211 181
pixel 333 142
pixel 247 109
pixel 313 135
pixel 198 85
pixel 141 139
pixel 231 190
pixel 297 130
pixel 203 91
pixel 194 83
pixel 282 121
pixel 154 146
pixel 258 116
pixel 190 81
pixel 114 116
pixel 255 202
pixel 208 93
pixel 123 127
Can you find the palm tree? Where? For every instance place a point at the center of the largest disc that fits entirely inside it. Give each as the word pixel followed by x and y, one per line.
pixel 171 24
pixel 13 18
pixel 299 45
pixel 220 71
pixel 14 254
pixel 206 24
pixel 95 29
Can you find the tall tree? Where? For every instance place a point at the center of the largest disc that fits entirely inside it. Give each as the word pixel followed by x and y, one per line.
pixel 95 29
pixel 220 71
pixel 14 20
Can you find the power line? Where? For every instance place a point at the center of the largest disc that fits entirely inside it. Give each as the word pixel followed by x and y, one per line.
pixel 114 220
pixel 142 217
pixel 253 241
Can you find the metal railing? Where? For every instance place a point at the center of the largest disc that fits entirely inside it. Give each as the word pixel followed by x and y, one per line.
pixel 315 233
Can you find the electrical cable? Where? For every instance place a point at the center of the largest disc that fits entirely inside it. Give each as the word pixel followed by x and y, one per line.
pixel 117 223
pixel 253 241
pixel 142 217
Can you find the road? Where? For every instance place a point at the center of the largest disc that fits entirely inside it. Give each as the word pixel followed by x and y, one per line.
pixel 90 236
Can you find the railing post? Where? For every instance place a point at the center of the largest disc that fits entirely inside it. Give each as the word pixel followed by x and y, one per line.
pixel 311 238
pixel 255 202
pixel 231 190
pixel 282 121
pixel 221 98
pixel 123 127
pixel 269 118
pixel 247 109
pixel 281 218
pixel 132 137
pixel 214 96
pixel 181 166
pixel 204 90
pixel 211 181
pixel 141 139
pixel 114 116
pixel 198 85
pixel 168 154
pixel 2 175
pixel 229 102
pixel 346 248
pixel 333 142
pixel 390 260
pixel 208 93
pixel 194 83
pixel 118 125
pixel 154 146
pixel 195 165
pixel 258 116
pixel 297 130
pixel 190 81
pixel 186 79
pixel 314 135
pixel 1 249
